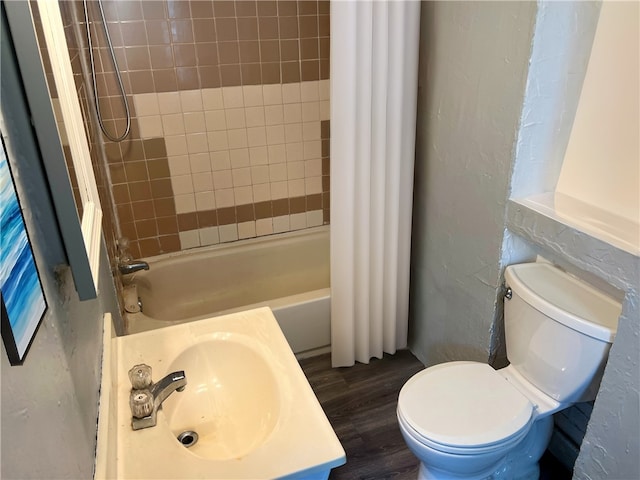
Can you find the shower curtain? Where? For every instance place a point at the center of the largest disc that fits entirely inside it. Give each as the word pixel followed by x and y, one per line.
pixel 374 76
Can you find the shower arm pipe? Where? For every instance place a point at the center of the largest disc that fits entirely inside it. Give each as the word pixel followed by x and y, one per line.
pixel 117 71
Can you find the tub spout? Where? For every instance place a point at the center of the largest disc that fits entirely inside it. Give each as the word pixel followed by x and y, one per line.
pixel 133 266
pixel 145 402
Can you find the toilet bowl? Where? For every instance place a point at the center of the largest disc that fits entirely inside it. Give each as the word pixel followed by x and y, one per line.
pixel 466 420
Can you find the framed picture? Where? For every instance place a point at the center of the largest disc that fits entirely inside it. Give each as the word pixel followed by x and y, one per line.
pixel 22 297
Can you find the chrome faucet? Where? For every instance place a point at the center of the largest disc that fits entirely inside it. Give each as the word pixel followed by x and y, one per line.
pixel 132 266
pixel 146 397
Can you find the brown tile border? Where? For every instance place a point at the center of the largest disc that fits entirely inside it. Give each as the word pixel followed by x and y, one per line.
pixel 250 212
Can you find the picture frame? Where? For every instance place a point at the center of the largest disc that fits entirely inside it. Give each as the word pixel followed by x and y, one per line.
pixel 22 299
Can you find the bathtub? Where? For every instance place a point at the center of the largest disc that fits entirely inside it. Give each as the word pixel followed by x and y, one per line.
pixel 287 272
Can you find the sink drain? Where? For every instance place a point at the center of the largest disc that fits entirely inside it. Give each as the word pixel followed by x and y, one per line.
pixel 188 438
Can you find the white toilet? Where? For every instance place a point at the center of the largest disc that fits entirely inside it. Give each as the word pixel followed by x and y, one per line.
pixel 465 420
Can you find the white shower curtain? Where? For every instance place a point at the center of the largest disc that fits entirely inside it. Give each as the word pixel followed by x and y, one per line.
pixel 374 77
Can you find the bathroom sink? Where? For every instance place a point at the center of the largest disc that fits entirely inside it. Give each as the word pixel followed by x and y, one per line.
pixel 246 399
pixel 232 399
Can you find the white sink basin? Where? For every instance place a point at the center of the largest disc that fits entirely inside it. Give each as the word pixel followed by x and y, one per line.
pixel 232 400
pixel 246 397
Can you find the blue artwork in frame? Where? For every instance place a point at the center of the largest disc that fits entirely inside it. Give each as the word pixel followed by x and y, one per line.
pixel 22 297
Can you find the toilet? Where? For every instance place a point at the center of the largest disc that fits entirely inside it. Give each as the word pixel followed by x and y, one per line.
pixel 466 420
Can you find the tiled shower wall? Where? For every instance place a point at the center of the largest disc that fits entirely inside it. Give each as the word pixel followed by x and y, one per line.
pixel 230 128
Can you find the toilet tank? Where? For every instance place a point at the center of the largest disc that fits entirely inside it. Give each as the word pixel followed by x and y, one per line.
pixel 558 330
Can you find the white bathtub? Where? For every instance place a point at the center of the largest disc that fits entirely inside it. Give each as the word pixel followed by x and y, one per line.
pixel 287 272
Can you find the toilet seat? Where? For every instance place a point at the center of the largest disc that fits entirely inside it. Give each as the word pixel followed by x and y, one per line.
pixel 464 407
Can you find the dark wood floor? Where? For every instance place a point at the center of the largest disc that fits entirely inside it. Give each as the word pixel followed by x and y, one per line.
pixel 360 402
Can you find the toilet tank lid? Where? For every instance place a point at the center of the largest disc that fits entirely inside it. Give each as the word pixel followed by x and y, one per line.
pixel 566 299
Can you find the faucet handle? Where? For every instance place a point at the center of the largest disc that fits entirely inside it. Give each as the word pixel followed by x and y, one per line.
pixel 141 403
pixel 140 376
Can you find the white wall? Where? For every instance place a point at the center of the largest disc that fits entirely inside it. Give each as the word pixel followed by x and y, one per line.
pixel 473 66
pixel 465 165
pixel 602 161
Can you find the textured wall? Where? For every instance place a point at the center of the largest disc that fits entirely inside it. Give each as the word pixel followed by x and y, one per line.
pixel 474 59
pixel 49 404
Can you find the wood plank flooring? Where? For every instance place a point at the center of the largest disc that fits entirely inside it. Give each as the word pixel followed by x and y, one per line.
pixel 360 402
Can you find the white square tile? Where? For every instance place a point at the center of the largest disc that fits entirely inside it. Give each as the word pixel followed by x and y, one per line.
pixel 310 91
pixel 237 138
pixel 241 176
pixel 312 149
pixel 247 230
pixel 243 195
pixel 296 188
pixel 264 226
pixel 313 185
pixel 191 101
pixel 176 145
pixel 254 116
pixel 279 190
pixel 222 179
pixel 209 236
pixel 311 131
pixel 313 168
pixel 228 233
pixel 325 110
pixel 212 99
pixel 205 201
pixel 202 182
pixel 150 127
pixel 277 154
pixel 194 122
pixel 275 134
pixel 281 224
pixel 197 143
pixel 235 118
pixel 185 203
pixel 295 170
pixel 215 120
pixel 232 97
pixel 256 136
pixel 278 172
pixel 324 88
pixel 272 94
pixel 224 198
pixel 169 102
pixel 315 218
pixel 260 174
pixel 311 112
pixel 220 160
pixel 217 141
pixel 146 104
pixel 182 185
pixel 292 113
pixel 294 152
pixel 179 165
pixel 274 115
pixel 258 155
pixel 298 221
pixel 261 192
pixel 200 162
pixel 253 95
pixel 173 124
pixel 291 93
pixel 240 158
pixel 189 239
pixel 293 132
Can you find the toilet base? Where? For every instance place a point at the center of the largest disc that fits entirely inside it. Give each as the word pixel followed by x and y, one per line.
pixel 521 463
